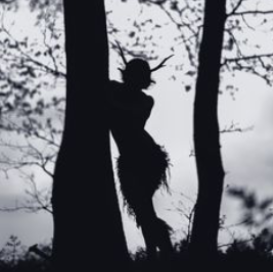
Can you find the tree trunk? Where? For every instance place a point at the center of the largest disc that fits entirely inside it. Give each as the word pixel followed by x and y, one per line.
pixel 88 231
pixel 206 133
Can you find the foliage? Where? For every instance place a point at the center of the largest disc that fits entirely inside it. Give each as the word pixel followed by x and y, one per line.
pixel 240 254
pixel 255 212
pixel 32 100
pixel 12 251
pixel 248 25
pixel 16 257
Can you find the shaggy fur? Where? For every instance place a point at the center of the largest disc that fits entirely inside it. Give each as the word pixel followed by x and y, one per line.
pixel 141 173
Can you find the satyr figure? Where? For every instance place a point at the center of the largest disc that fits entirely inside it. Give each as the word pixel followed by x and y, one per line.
pixel 143 164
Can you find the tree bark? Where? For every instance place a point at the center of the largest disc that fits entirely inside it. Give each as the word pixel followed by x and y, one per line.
pixel 88 231
pixel 206 133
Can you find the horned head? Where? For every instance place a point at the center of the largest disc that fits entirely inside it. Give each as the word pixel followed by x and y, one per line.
pixel 138 70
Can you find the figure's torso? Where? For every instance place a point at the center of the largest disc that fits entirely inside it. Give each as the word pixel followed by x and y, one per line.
pixel 128 115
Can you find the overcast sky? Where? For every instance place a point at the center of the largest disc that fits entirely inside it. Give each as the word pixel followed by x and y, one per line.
pixel 247 157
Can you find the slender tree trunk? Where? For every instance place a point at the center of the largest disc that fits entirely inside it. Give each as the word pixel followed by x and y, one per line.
pixel 88 233
pixel 206 133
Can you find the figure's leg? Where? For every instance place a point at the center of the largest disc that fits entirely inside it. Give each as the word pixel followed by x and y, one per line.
pixel 156 231
pixel 147 220
pixel 163 238
pixel 149 241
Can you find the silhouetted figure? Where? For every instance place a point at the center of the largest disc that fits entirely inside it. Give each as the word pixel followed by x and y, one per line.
pixel 142 165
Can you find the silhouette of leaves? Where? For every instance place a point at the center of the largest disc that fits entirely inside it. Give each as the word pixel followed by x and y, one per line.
pixel 256 212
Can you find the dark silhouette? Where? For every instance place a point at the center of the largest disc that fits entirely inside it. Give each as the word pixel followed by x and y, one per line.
pixel 39 252
pixel 206 134
pixel 143 164
pixel 85 207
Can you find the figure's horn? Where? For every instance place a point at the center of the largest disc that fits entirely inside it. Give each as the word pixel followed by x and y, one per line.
pixel 121 53
pixel 161 64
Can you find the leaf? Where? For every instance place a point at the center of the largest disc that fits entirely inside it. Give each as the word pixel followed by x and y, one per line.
pixel 188 88
pixel 265 203
pixel 191 73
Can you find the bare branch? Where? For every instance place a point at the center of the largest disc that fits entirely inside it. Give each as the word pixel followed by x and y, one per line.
pixel 235 128
pixel 37 201
pixel 245 58
pixel 36 134
pixel 50 51
pixel 27 56
pixel 239 52
pixel 236 7
pixel 253 12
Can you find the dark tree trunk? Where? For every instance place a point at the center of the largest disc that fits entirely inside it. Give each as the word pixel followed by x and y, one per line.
pixel 206 133
pixel 88 233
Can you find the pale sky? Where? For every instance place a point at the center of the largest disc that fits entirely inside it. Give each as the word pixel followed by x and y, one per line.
pixel 247 157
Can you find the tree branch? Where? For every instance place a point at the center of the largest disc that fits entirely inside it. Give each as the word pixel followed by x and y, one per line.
pixel 234 128
pixel 28 57
pixel 245 58
pixel 253 12
pixel 236 7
